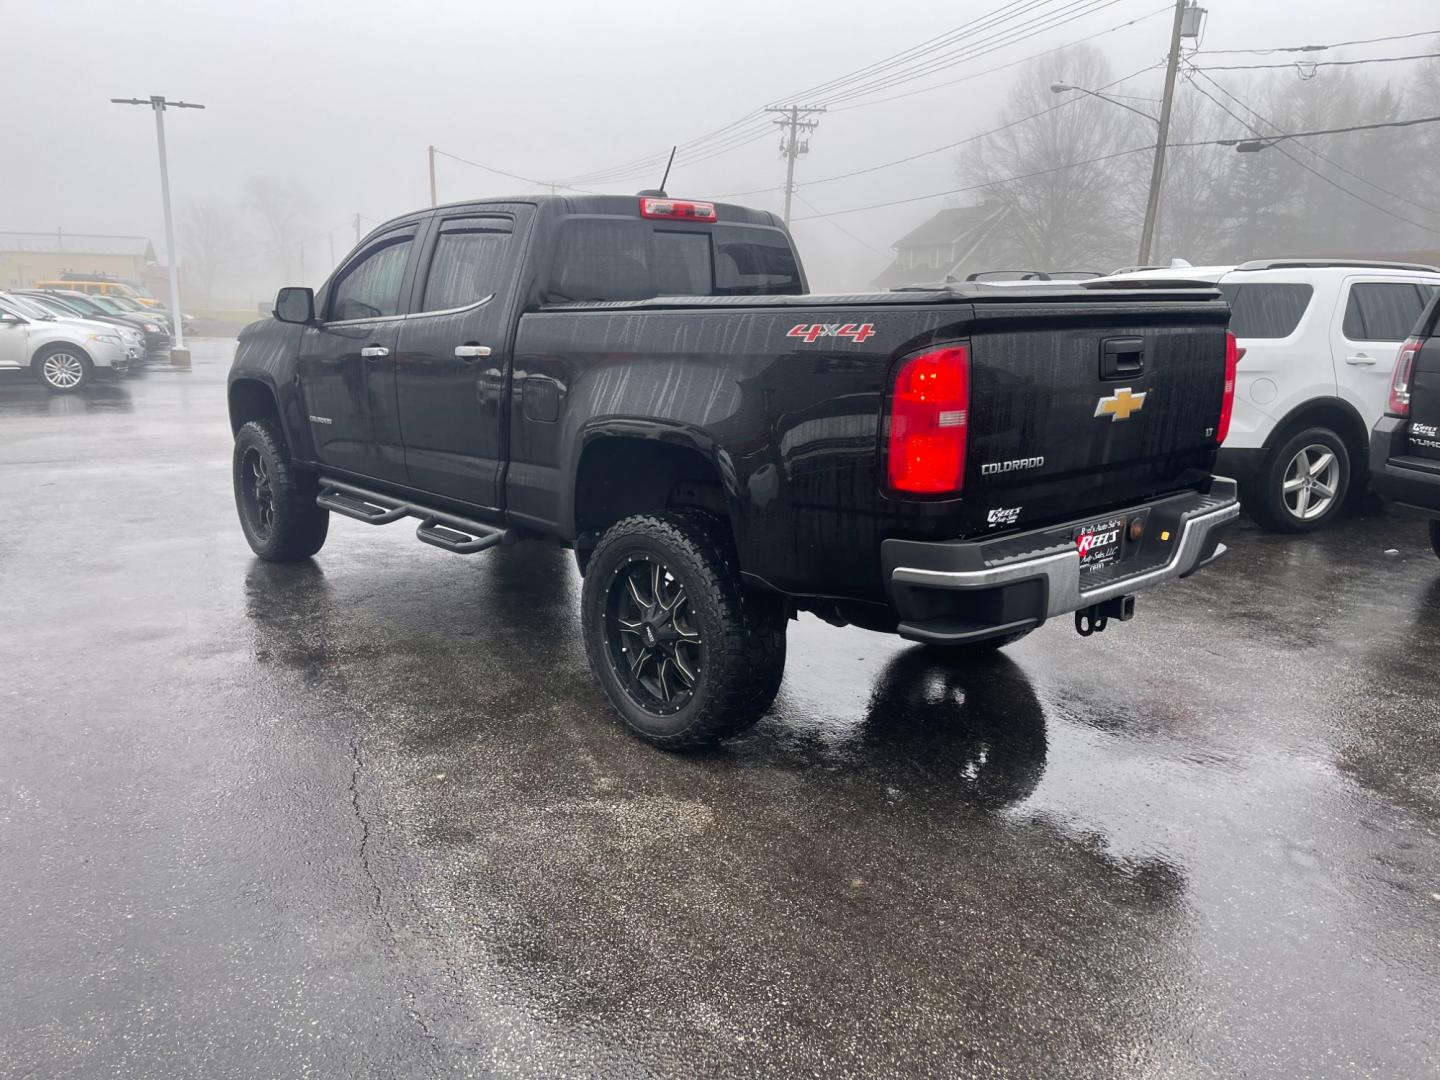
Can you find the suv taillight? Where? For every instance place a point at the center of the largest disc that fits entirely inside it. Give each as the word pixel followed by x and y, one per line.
pixel 929 422
pixel 1400 382
pixel 1233 352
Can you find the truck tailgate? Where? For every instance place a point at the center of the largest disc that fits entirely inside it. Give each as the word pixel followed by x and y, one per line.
pixel 1078 408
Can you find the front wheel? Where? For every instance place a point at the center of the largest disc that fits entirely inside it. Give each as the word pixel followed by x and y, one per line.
pixel 275 502
pixel 1304 483
pixel 685 652
pixel 64 369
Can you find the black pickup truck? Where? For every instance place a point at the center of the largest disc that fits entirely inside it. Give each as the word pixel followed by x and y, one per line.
pixel 647 380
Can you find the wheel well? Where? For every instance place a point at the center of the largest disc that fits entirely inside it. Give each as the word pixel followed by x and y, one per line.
pixel 251 399
pixel 620 476
pixel 1339 416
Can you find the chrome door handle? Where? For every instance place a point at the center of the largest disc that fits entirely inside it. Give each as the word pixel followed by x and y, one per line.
pixel 472 352
pixel 1360 360
pixel 374 352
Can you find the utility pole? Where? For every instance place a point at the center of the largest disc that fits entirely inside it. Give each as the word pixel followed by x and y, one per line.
pixel 433 201
pixel 1157 169
pixel 179 355
pixel 794 119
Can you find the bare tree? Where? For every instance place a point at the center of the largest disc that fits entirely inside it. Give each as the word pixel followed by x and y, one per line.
pixel 1063 215
pixel 211 239
pixel 283 207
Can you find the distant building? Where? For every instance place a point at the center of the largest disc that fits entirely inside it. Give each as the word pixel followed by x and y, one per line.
pixel 952 243
pixel 28 257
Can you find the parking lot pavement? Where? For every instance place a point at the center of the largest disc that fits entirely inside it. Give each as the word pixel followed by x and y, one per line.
pixel 370 816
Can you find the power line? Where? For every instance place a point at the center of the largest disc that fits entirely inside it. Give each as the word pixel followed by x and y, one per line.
pixel 1308 168
pixel 1316 153
pixel 836 225
pixel 1321 48
pixel 987 184
pixel 1317 63
pixel 510 175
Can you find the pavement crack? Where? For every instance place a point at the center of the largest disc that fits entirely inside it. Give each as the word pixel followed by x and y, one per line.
pixel 377 903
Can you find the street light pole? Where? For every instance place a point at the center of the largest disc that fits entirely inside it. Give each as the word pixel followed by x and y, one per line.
pixel 179 355
pixel 1157 168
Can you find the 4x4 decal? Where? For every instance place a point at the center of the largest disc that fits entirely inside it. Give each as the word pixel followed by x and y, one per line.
pixel 812 332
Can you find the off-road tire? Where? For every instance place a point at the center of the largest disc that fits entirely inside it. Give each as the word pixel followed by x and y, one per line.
pixel 742 629
pixel 295 527
pixel 1266 500
pixel 1435 536
pixel 980 648
pixel 55 382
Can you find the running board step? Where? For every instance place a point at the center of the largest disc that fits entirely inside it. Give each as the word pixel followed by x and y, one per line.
pixel 461 535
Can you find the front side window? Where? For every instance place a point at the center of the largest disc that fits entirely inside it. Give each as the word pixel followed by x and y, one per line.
pixel 370 287
pixel 1266 309
pixel 469 264
pixel 1382 311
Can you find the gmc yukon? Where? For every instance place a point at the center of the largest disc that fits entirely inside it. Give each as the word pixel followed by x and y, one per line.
pixel 647 381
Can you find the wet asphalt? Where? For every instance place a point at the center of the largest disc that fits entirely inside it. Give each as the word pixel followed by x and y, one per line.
pixel 370 816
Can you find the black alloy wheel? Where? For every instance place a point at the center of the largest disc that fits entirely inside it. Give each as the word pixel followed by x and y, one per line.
pixel 656 651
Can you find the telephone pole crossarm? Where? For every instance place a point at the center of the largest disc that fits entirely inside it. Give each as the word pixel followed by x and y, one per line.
pixel 793 119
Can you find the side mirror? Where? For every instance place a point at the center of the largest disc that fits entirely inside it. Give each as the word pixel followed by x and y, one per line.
pixel 10 317
pixel 295 304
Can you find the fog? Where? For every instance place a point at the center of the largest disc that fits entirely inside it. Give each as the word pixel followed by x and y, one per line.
pixel 341 99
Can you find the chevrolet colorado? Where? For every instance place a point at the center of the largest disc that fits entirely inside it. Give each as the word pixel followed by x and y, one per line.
pixel 647 381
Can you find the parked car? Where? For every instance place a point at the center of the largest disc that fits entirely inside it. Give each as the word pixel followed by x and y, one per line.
pixel 1405 447
pixel 131 338
pixel 125 303
pixel 155 329
pixel 98 285
pixel 1318 340
pixel 645 381
pixel 64 355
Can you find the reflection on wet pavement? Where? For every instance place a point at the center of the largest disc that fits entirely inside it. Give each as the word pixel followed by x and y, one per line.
pixel 370 815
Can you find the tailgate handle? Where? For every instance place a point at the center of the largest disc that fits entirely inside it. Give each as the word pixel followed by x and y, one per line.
pixel 1122 357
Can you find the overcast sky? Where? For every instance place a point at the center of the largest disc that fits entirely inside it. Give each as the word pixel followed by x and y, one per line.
pixel 345 95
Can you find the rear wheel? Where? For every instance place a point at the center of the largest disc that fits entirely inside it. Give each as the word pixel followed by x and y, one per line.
pixel 686 653
pixel 276 503
pixel 1304 483
pixel 64 368
pixel 1435 536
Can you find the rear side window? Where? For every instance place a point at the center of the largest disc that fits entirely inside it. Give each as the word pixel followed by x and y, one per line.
pixel 469 263
pixel 1266 309
pixel 1382 310
pixel 369 288
pixel 625 259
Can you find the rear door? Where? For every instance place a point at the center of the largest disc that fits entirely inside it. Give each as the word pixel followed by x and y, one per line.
pixel 1376 313
pixel 454 352
pixel 1423 436
pixel 347 360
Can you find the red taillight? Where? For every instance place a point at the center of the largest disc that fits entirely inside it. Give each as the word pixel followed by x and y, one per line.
pixel 677 210
pixel 929 422
pixel 1400 381
pixel 1233 352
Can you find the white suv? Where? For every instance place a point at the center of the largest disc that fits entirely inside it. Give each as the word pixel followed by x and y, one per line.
pixel 1318 341
pixel 66 354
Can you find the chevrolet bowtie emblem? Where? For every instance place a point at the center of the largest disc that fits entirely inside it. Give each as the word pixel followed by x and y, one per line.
pixel 1119 405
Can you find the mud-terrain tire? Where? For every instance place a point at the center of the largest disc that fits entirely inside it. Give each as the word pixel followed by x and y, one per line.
pixel 64 369
pixel 275 501
pixel 1303 509
pixel 687 654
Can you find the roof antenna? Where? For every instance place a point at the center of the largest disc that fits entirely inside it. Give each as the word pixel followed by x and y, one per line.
pixel 659 192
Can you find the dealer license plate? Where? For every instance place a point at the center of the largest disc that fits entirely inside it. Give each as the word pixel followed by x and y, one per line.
pixel 1099 542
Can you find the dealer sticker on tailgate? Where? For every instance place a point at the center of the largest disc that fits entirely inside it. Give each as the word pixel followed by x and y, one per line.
pixel 1099 542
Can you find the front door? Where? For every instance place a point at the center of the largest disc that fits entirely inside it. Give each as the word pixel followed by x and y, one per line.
pixel 1378 316
pixel 451 367
pixel 347 360
pixel 14 340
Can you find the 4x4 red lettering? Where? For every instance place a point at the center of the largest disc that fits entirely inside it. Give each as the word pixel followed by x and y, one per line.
pixel 812 332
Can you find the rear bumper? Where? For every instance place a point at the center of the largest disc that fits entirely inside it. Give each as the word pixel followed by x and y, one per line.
pixel 1414 481
pixel 965 591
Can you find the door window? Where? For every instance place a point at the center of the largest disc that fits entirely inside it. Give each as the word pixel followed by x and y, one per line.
pixel 469 264
pixel 1266 309
pixel 1382 311
pixel 369 288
